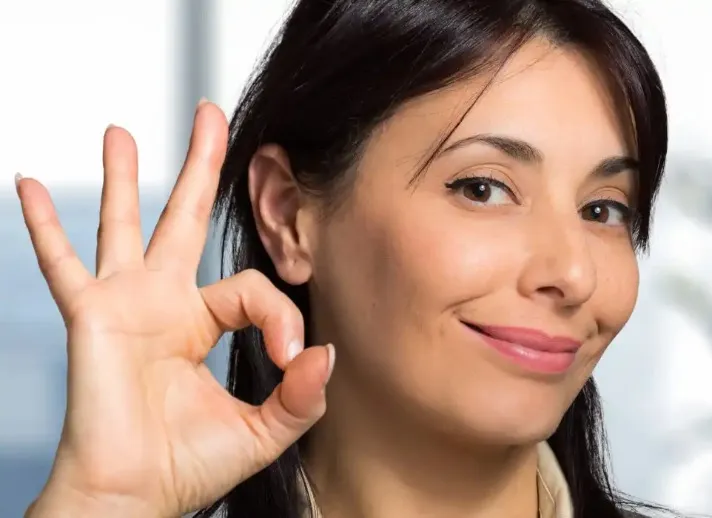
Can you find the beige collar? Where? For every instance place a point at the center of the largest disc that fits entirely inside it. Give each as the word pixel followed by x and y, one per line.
pixel 554 497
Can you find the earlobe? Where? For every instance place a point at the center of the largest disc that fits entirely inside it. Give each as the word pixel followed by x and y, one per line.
pixel 277 206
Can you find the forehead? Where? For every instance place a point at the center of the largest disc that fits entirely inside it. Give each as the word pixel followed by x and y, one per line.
pixel 552 97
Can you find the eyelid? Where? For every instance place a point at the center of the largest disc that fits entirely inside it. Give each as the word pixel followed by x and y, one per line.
pixel 488 175
pixel 611 201
pixel 627 212
pixel 610 193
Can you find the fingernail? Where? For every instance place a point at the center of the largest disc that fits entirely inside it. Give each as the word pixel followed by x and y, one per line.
pixel 110 126
pixel 202 101
pixel 293 349
pixel 18 178
pixel 331 352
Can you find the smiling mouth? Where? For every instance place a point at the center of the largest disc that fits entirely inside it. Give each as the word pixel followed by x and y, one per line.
pixel 529 348
pixel 476 328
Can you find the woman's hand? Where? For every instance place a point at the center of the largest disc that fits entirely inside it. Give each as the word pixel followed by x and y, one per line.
pixel 148 430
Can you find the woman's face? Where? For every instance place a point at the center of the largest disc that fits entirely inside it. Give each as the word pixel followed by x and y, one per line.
pixel 534 249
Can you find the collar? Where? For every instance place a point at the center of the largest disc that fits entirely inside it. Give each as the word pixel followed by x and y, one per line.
pixel 554 496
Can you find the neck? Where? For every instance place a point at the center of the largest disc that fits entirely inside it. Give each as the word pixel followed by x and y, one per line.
pixel 371 461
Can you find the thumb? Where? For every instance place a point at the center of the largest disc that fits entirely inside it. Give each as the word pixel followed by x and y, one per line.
pixel 296 403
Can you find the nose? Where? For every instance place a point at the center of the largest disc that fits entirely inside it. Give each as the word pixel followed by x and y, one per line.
pixel 559 268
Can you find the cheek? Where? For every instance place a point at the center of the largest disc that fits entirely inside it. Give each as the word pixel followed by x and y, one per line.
pixel 613 302
pixel 449 256
pixel 424 262
pixel 393 274
pixel 617 292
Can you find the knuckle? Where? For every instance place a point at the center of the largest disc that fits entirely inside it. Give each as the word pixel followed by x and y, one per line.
pixel 47 226
pixel 254 278
pixel 53 266
pixel 290 316
pixel 184 214
pixel 128 221
pixel 273 306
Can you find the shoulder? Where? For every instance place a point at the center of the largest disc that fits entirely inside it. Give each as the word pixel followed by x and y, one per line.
pixel 631 514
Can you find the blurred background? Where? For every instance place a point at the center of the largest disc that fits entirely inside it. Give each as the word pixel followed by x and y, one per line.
pixel 72 67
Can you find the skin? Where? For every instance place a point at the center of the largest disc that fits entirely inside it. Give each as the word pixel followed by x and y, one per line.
pixel 424 419
pixel 148 431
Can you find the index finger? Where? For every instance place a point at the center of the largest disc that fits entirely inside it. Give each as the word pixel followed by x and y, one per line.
pixel 250 298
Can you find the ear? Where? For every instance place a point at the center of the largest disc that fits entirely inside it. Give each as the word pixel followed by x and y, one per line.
pixel 283 221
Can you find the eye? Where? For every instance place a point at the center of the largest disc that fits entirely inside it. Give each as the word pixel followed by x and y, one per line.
pixel 607 212
pixel 483 190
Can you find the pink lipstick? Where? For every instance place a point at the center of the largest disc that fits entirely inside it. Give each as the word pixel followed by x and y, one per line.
pixel 530 348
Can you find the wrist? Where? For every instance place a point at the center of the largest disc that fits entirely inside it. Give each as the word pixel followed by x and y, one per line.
pixel 57 501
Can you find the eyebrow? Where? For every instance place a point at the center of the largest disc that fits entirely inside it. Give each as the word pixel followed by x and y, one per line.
pixel 522 151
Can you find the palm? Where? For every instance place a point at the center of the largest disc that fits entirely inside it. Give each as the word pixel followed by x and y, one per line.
pixel 149 307
pixel 145 418
pixel 171 416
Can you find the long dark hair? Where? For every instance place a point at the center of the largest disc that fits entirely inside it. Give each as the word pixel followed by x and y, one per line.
pixel 336 70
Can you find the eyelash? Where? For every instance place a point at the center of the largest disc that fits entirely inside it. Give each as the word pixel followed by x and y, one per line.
pixel 626 211
pixel 466 181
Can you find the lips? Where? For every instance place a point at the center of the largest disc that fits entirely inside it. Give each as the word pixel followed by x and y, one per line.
pixel 529 338
pixel 529 348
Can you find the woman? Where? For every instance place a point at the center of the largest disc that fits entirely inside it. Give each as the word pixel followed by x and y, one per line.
pixel 453 193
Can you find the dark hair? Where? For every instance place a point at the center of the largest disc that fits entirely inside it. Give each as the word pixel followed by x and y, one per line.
pixel 339 68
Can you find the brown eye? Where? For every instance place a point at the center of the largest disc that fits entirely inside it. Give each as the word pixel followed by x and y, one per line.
pixel 478 191
pixel 607 212
pixel 483 191
pixel 598 213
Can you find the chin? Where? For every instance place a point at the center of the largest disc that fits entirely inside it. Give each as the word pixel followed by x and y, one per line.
pixel 516 430
pixel 504 417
